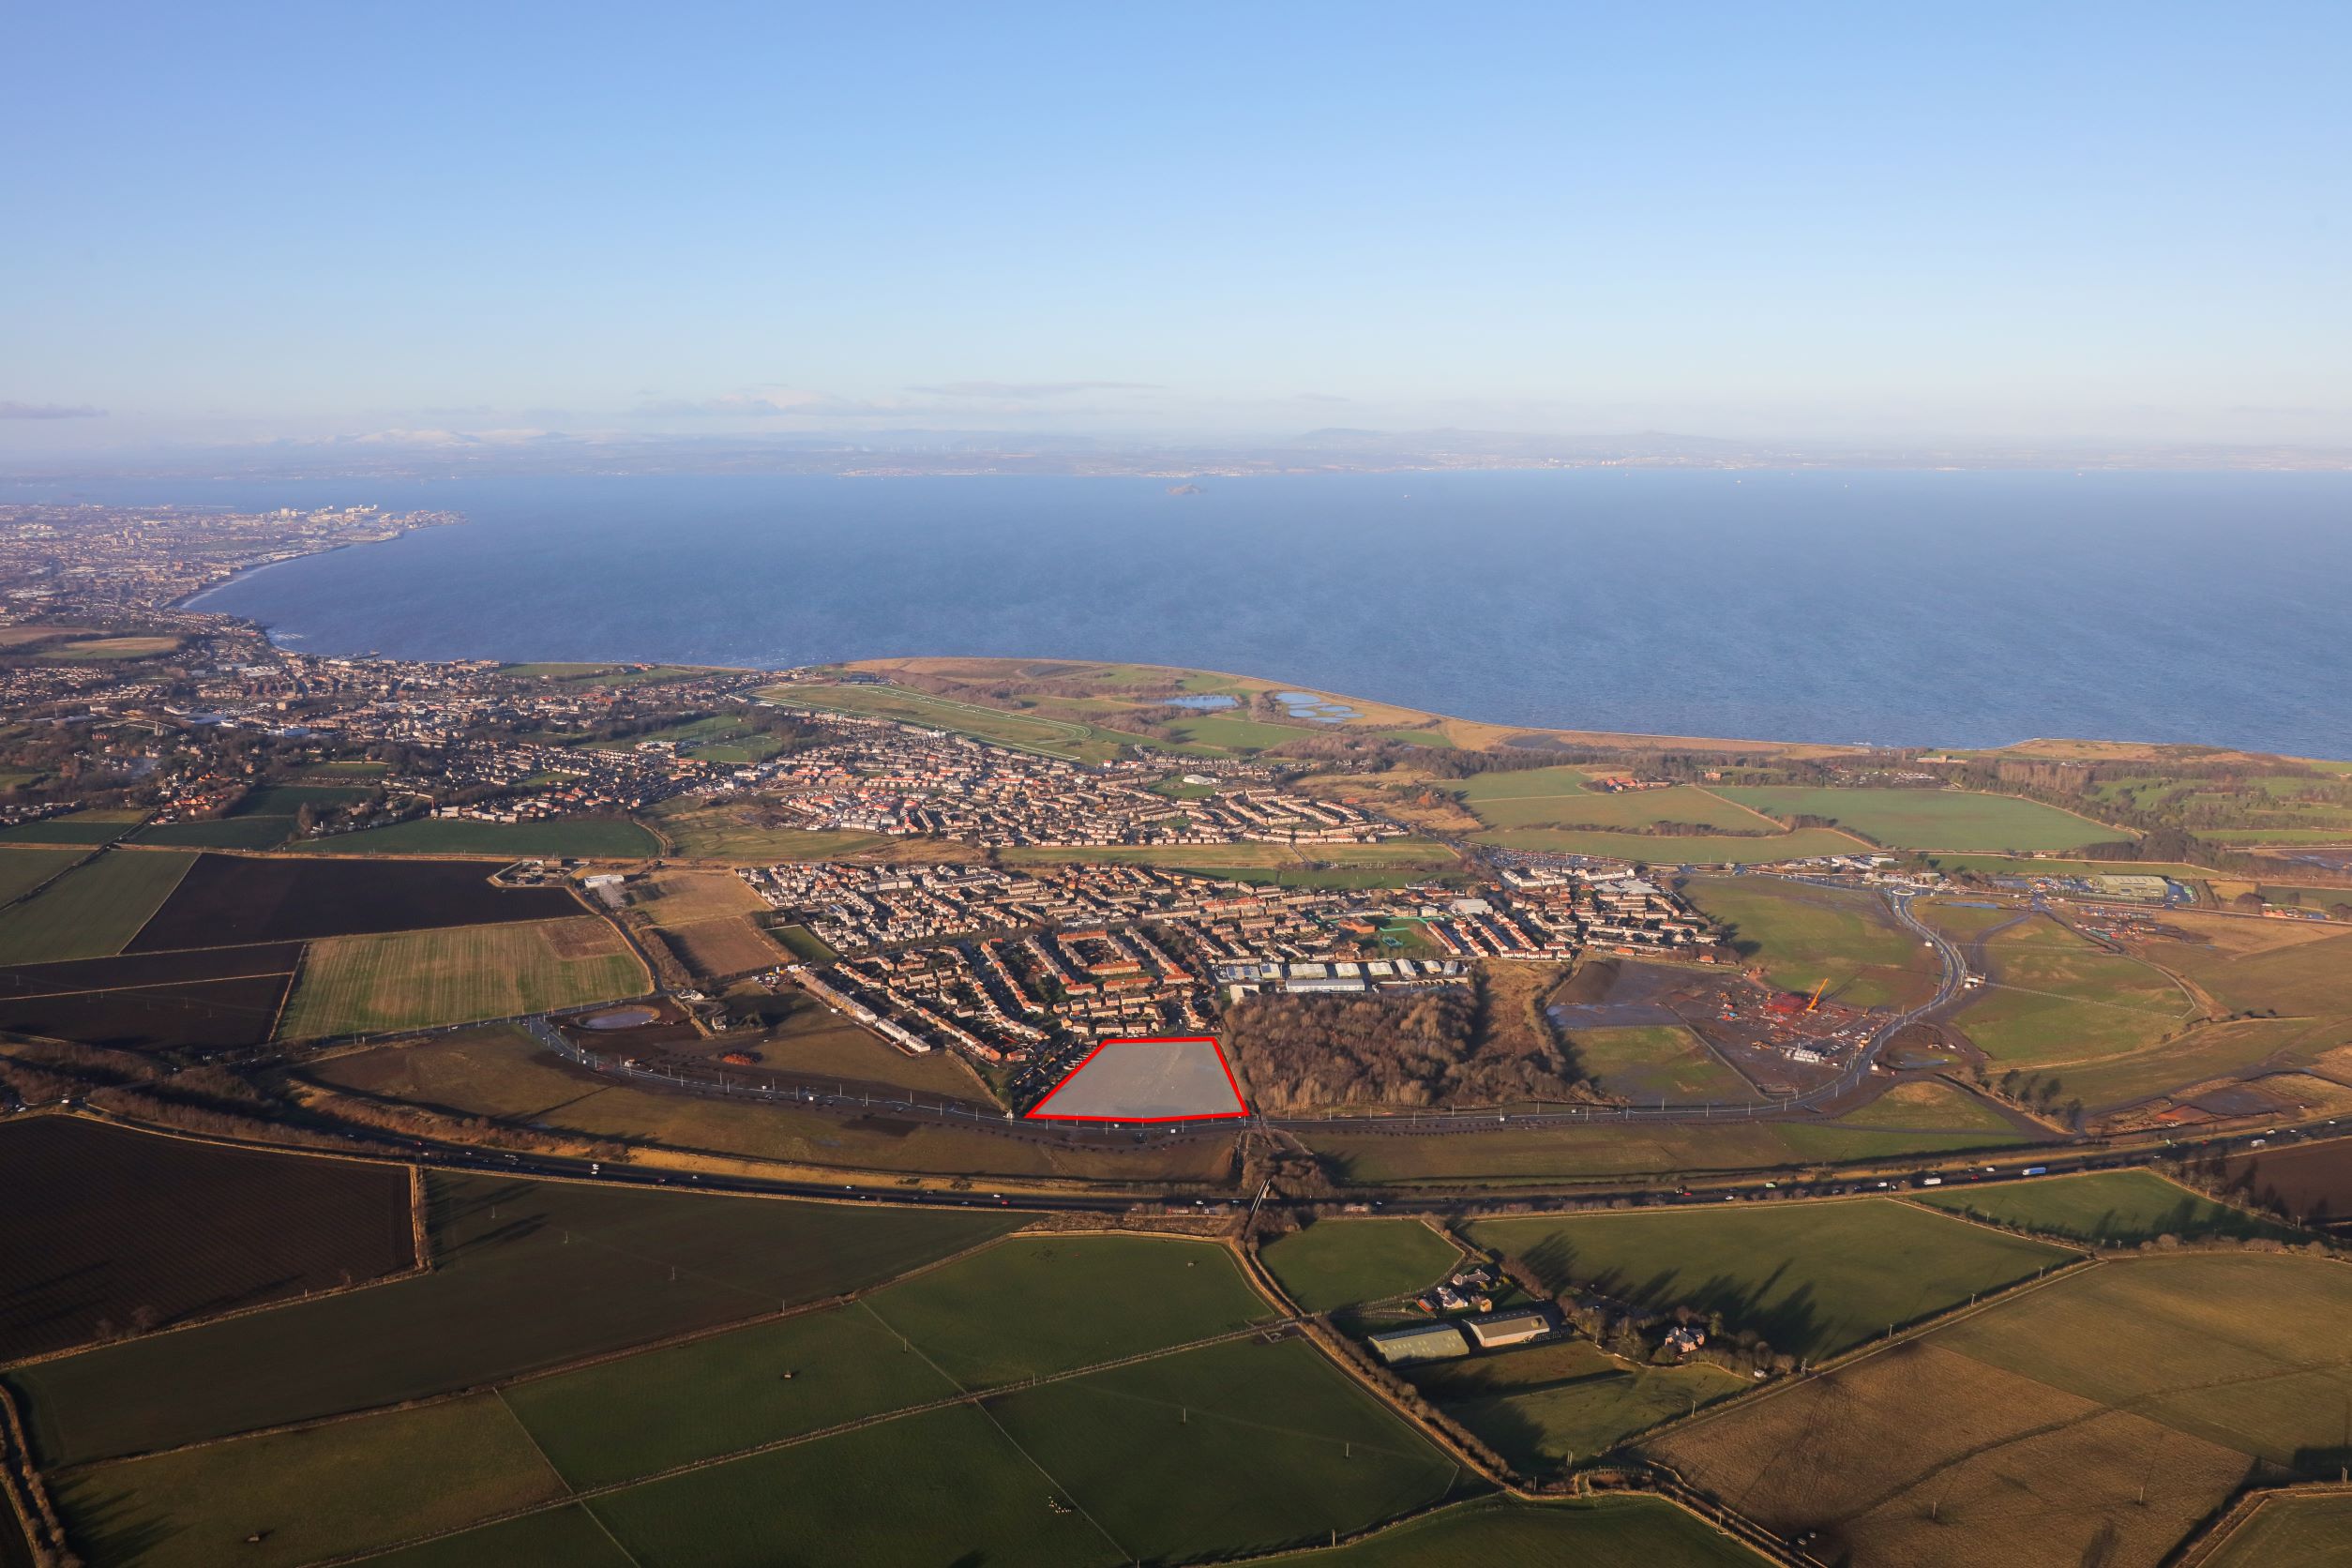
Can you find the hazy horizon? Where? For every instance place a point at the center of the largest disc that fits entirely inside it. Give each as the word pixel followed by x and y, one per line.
pixel 2099 228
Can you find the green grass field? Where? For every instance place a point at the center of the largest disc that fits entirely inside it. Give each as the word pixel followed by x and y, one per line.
pixel 1556 797
pixel 421 979
pixel 2056 998
pixel 2292 1532
pixel 805 945
pixel 1660 850
pixel 1654 1064
pixel 74 827
pixel 2310 977
pixel 555 1538
pixel 1509 1157
pixel 1925 1105
pixel 1921 1117
pixel 579 837
pixel 24 868
pixel 2115 1207
pixel 310 1494
pixel 1215 735
pixel 1547 1405
pixel 618 1419
pixel 527 1275
pixel 1339 1262
pixel 2215 1050
pixel 224 832
pixel 1228 1450
pixel 1954 820
pixel 943 1487
pixel 1102 1469
pixel 93 909
pixel 1614 1532
pixel 706 831
pixel 1054 737
pixel 1803 935
pixel 1812 1278
pixel 1032 1305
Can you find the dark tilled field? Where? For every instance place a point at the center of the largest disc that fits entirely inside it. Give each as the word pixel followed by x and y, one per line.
pixel 230 898
pixel 103 1227
pixel 185 967
pixel 208 998
pixel 204 1016
pixel 527 1274
pixel 2313 1179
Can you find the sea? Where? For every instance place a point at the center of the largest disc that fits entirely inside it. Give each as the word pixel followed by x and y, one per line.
pixel 1904 608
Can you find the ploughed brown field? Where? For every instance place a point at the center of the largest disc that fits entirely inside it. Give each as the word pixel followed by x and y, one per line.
pixel 226 899
pixel 109 1231
pixel 2313 1179
pixel 208 998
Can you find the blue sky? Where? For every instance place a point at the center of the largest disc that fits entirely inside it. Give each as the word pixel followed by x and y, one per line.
pixel 1879 223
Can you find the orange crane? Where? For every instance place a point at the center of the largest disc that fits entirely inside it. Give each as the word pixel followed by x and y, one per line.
pixel 1815 1002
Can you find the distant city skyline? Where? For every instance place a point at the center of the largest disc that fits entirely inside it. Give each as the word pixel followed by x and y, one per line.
pixel 427 229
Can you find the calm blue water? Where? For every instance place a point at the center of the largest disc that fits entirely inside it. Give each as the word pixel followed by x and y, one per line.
pixel 1912 607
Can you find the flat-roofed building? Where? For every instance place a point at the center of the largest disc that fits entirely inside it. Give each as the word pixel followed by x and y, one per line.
pixel 1419 1342
pixel 1508 1327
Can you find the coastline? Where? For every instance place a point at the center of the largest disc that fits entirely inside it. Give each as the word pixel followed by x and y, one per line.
pixel 1491 730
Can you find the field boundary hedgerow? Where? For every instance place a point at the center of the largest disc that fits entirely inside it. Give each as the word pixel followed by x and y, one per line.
pixel 20 1475
pixel 2243 1510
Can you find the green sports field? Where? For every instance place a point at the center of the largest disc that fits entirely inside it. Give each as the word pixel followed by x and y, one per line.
pixel 1339 1262
pixel 1813 1277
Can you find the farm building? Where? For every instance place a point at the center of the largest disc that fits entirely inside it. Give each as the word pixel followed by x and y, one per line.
pixel 1509 1328
pixel 1420 1342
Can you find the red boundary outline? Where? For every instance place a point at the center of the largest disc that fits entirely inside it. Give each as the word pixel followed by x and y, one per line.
pixel 1037 1112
